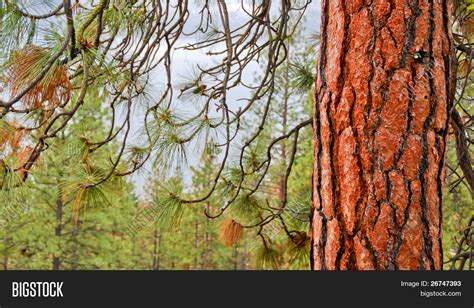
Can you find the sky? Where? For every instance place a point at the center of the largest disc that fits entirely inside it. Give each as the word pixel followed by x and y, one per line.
pixel 188 59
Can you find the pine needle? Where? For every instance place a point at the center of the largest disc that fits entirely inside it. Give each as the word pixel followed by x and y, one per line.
pixel 266 258
pixel 245 208
pixel 21 69
pixel 169 208
pixel 231 232
pixel 298 247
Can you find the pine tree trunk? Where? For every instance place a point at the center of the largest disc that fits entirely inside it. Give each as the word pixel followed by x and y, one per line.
pixel 58 229
pixel 384 89
pixel 205 256
pixel 196 244
pixel 156 250
pixel 5 263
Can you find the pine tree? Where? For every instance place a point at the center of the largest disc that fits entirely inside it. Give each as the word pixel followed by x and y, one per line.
pixel 384 93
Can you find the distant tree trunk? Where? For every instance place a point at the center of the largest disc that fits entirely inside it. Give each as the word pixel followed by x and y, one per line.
pixel 5 263
pixel 384 89
pixel 243 258
pixel 196 244
pixel 156 249
pixel 205 253
pixel 207 244
pixel 236 257
pixel 58 229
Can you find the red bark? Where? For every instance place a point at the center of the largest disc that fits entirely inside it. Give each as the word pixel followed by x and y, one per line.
pixel 384 89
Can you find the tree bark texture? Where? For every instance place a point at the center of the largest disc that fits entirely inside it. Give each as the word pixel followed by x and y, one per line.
pixel 385 84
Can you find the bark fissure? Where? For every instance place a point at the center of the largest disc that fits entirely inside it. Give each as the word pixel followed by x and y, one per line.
pixel 427 247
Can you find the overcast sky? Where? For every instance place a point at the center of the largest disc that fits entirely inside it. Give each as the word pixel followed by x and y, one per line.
pixel 187 59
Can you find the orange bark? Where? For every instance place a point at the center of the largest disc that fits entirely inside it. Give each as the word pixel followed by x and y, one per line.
pixel 384 89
